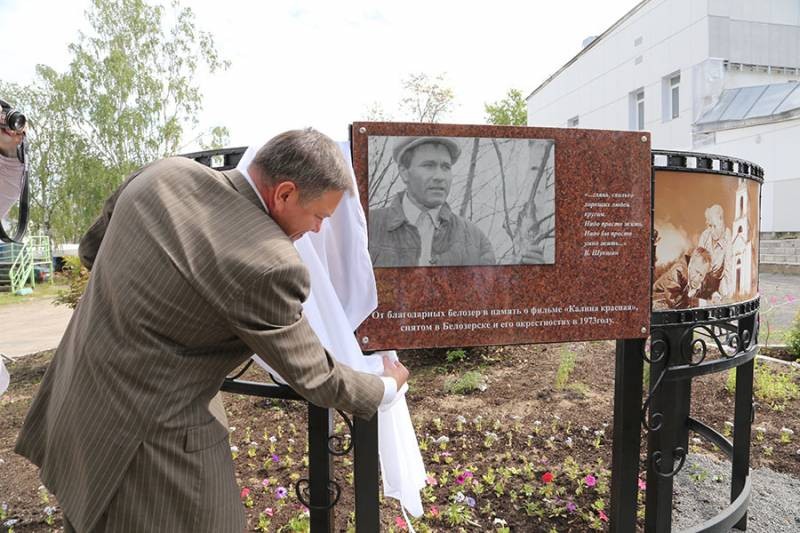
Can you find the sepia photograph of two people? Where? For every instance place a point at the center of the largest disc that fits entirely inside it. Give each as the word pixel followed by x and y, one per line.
pixel 461 201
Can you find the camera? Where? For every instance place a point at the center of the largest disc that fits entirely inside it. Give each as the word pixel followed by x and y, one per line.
pixel 11 119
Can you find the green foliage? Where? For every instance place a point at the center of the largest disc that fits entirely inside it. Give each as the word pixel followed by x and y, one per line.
pixel 125 99
pixel 456 356
pixel 793 336
pixel 77 278
pixel 426 98
pixel 469 382
pixel 509 111
pixel 776 387
pixel 565 367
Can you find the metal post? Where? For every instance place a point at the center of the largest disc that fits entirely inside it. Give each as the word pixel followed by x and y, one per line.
pixel 319 469
pixel 672 401
pixel 742 422
pixel 365 469
pixel 627 431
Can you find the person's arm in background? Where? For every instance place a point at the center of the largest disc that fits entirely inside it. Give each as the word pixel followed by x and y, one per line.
pixel 11 169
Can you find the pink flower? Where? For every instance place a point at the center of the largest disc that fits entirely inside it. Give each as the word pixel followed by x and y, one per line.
pixel 264 482
pixel 460 479
pixel 790 298
pixel 642 484
pixel 602 516
pixel 269 511
pixel 399 522
pixel 431 481
pixel 245 493
pixel 571 507
pixel 590 480
pixel 547 477
pixel 773 300
pixel 434 511
pixel 281 493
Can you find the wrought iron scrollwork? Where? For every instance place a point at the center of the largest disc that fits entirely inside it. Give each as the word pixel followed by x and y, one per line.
pixel 658 457
pixel 340 445
pixel 302 489
pixel 659 353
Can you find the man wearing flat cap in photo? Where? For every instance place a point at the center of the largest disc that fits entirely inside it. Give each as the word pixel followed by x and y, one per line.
pixel 419 228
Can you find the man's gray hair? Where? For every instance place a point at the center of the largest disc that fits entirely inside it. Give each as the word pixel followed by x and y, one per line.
pixel 310 159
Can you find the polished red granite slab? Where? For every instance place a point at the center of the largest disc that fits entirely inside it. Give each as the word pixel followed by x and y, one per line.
pixel 602 207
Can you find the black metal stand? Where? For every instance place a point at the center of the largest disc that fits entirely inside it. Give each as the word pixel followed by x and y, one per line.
pixel 679 352
pixel 320 492
pixel 625 453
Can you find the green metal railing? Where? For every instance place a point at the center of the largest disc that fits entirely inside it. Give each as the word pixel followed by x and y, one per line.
pixel 23 260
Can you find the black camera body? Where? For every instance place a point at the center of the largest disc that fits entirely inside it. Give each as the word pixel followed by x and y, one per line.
pixel 11 119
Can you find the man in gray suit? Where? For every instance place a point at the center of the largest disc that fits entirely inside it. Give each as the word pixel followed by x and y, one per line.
pixel 193 270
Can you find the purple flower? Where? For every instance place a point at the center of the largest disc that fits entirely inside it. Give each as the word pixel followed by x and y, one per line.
pixel 281 493
pixel 470 501
pixel 276 458
pixel 571 507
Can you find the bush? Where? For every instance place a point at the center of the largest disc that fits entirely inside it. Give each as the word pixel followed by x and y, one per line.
pixel 793 337
pixel 77 278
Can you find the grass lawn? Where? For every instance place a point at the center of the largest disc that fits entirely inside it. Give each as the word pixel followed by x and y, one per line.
pixel 42 290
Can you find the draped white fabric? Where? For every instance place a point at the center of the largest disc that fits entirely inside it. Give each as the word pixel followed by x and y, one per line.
pixel 343 294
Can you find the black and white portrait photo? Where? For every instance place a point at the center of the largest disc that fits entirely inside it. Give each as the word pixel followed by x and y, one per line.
pixel 461 201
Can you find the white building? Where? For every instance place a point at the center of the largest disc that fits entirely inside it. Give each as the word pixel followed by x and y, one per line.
pixel 716 76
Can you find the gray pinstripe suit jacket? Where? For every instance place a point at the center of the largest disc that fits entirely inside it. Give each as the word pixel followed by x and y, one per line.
pixel 189 277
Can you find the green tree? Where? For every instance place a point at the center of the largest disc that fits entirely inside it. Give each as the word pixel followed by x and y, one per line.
pixel 127 98
pixel 426 98
pixel 509 111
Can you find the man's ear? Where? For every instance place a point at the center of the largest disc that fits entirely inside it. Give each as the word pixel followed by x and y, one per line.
pixel 282 193
pixel 403 173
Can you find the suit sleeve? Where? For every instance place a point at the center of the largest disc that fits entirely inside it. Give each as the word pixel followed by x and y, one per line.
pixel 268 317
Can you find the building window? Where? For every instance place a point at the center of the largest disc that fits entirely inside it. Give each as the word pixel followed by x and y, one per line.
pixel 637 109
pixel 675 95
pixel 573 122
pixel 671 96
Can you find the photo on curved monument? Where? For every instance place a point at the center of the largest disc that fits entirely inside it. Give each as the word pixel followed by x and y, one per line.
pixel 461 201
pixel 706 240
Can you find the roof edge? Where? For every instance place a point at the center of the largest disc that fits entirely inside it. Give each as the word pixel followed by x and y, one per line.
pixel 588 47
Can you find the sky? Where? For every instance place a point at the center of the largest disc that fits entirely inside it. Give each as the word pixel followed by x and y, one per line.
pixel 323 63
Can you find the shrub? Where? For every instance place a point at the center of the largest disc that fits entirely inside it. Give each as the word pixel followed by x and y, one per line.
pixel 793 337
pixel 77 278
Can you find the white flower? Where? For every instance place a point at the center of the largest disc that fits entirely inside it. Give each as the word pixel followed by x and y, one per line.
pixel 232 429
pixel 584 429
pixel 787 431
pixel 499 522
pixel 235 449
pixel 460 497
pixel 761 429
pixel 461 420
pixel 273 439
pixel 254 444
pixel 491 435
pixel 729 423
pixel 10 522
pixel 537 423
pixel 49 510
pixel 599 433
pixel 568 441
pixel 696 440
pixel 443 439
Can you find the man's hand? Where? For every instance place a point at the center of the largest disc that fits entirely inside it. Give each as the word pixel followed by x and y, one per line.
pixel 532 254
pixel 396 370
pixel 9 140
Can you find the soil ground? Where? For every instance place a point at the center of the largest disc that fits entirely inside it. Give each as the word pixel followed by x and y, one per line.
pixel 522 392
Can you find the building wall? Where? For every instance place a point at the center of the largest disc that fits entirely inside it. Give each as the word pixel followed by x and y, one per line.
pixel 699 39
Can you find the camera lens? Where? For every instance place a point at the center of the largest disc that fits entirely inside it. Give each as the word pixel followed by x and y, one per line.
pixel 15 121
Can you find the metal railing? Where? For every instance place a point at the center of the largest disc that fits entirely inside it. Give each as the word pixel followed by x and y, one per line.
pixel 24 259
